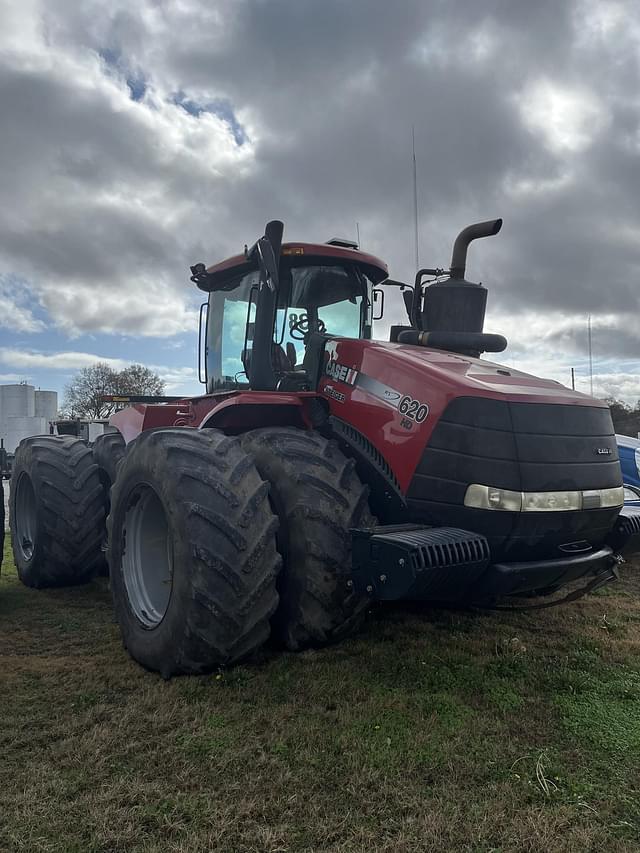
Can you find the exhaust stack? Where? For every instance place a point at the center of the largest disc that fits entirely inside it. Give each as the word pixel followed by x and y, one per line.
pixel 471 232
pixel 451 310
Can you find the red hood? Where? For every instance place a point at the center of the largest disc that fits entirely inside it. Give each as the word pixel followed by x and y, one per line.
pixel 367 382
pixel 478 376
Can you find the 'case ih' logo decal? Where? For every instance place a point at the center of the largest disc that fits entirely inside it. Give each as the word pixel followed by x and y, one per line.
pixel 410 409
pixel 341 373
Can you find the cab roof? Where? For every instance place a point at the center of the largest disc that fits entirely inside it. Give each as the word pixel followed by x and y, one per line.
pixel 297 254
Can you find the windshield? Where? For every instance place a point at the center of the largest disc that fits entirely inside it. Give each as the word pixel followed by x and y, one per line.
pixel 331 299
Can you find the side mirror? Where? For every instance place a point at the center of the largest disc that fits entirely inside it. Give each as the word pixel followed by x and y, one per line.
pixel 378 299
pixel 406 291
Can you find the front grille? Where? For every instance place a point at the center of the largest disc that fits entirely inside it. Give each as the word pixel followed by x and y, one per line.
pixel 523 447
pixel 441 551
pixel 629 521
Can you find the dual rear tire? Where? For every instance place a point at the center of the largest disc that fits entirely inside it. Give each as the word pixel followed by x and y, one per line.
pixel 214 542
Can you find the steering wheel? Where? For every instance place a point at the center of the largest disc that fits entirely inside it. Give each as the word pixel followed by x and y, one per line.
pixel 300 328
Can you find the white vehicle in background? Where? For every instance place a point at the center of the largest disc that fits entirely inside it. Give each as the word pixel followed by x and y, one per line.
pixel 87 430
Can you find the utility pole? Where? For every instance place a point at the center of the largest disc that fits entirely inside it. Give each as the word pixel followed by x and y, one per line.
pixel 573 379
pixel 358 233
pixel 415 198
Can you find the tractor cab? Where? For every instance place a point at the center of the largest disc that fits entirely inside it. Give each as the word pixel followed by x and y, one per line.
pixel 271 309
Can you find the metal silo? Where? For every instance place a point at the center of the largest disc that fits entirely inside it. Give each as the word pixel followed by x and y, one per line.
pixel 17 401
pixel 46 404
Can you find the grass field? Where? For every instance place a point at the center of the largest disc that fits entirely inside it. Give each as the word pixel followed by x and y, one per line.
pixel 432 730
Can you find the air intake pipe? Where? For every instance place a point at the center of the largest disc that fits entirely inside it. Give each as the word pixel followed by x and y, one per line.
pixel 463 342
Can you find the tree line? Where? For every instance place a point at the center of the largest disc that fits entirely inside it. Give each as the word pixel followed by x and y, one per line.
pixel 626 419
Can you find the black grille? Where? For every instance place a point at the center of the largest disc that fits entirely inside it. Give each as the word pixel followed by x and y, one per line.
pixel 625 535
pixel 522 447
pixel 629 521
pixel 419 562
pixel 443 550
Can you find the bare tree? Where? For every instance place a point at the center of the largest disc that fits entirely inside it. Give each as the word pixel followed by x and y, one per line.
pixel 138 379
pixel 83 395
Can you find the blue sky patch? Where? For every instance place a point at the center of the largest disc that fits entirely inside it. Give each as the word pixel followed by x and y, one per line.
pixel 220 107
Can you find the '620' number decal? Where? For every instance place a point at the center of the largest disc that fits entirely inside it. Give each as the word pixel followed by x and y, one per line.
pixel 413 409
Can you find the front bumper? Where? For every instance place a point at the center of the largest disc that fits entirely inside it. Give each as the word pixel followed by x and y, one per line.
pixel 452 565
pixel 513 578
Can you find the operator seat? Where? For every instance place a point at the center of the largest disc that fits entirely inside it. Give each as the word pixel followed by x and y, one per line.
pixel 283 362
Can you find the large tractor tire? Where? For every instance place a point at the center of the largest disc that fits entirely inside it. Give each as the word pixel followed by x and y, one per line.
pixel 56 513
pixel 192 551
pixel 108 451
pixel 318 496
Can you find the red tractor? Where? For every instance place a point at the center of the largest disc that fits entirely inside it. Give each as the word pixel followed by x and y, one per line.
pixel 324 470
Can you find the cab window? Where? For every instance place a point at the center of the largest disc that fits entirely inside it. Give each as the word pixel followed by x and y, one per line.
pixel 330 299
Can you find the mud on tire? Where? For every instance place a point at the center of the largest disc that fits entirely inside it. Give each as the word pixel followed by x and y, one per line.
pixel 318 497
pixel 56 513
pixel 192 551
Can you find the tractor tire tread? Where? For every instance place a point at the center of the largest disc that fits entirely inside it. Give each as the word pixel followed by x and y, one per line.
pixel 70 511
pixel 108 451
pixel 319 497
pixel 220 504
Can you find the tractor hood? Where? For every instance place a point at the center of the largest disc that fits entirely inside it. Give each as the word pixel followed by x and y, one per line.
pixel 485 377
pixel 444 422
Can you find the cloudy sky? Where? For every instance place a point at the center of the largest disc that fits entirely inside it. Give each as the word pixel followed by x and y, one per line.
pixel 139 138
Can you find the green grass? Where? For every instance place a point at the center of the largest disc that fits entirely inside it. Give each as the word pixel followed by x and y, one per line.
pixel 432 730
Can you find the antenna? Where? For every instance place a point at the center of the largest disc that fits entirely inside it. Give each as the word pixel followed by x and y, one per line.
pixel 358 233
pixel 590 355
pixel 415 197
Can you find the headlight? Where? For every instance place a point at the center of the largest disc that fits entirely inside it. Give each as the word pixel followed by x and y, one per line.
pixel 551 501
pixel 612 497
pixel 486 497
pixel 489 497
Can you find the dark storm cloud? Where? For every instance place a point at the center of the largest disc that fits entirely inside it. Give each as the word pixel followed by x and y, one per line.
pixel 524 110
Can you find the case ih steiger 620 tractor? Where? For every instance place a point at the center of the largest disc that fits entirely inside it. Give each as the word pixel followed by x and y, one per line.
pixel 324 470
